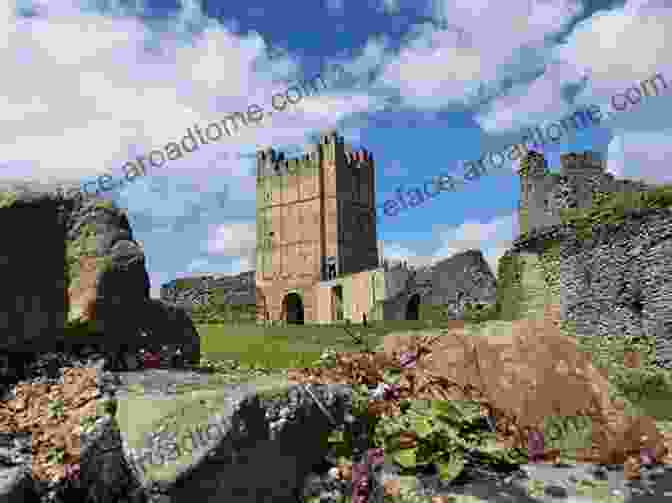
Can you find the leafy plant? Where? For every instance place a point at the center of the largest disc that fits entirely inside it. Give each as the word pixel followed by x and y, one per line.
pixel 55 409
pixel 438 432
pixel 88 423
pixel 7 199
pixel 56 455
pixel 327 358
pixel 412 432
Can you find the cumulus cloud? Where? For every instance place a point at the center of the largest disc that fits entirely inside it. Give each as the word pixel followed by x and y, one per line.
pixel 119 88
pixel 235 240
pixel 479 45
pixel 643 156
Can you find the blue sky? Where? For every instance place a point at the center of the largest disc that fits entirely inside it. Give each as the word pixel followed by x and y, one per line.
pixel 427 85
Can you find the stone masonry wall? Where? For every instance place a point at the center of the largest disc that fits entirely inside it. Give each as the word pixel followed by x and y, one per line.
pixel 200 291
pixel 617 282
pixel 621 282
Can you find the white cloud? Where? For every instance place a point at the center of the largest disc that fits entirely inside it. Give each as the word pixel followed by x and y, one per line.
pixel 643 156
pixel 108 98
pixel 530 104
pixel 605 54
pixel 237 240
pixel 481 43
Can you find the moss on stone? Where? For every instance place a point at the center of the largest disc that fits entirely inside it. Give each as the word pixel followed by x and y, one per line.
pixel 614 208
pixel 104 204
pixel 509 290
pixel 83 246
pixel 550 262
pixel 7 199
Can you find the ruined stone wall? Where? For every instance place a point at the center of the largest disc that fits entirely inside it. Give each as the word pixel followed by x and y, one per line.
pixel 236 289
pixel 464 278
pixel 581 182
pixel 67 260
pixel 620 282
pixel 32 257
pixel 617 281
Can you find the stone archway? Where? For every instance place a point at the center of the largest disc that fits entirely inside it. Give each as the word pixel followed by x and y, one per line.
pixel 413 308
pixel 292 306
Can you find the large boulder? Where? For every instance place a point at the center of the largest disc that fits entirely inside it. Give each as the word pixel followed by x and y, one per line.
pixel 167 324
pixel 532 373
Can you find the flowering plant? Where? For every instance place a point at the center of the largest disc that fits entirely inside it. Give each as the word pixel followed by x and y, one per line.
pixel 151 360
pixel 72 472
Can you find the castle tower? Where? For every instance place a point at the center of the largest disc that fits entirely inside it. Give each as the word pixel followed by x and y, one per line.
pixel 315 220
pixel 532 171
pixel 588 174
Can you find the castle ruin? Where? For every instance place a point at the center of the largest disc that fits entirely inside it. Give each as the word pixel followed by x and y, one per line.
pixel 582 179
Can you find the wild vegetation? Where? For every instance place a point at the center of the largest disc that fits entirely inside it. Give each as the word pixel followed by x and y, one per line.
pixel 410 425
pixel 615 207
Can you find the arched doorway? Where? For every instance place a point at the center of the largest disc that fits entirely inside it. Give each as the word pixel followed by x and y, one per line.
pixel 413 308
pixel 293 308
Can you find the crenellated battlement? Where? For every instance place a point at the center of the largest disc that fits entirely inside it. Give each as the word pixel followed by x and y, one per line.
pixel 588 162
pixel 543 194
pixel 358 158
pixel 330 148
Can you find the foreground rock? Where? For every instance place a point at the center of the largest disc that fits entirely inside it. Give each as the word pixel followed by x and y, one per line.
pixel 79 450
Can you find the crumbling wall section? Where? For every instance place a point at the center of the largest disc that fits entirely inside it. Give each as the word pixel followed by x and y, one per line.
pixel 615 280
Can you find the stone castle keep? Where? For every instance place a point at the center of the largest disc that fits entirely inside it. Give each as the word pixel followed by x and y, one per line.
pixel 315 221
pixel 317 254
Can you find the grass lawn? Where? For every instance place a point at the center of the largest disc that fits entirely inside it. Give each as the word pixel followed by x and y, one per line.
pixel 287 347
